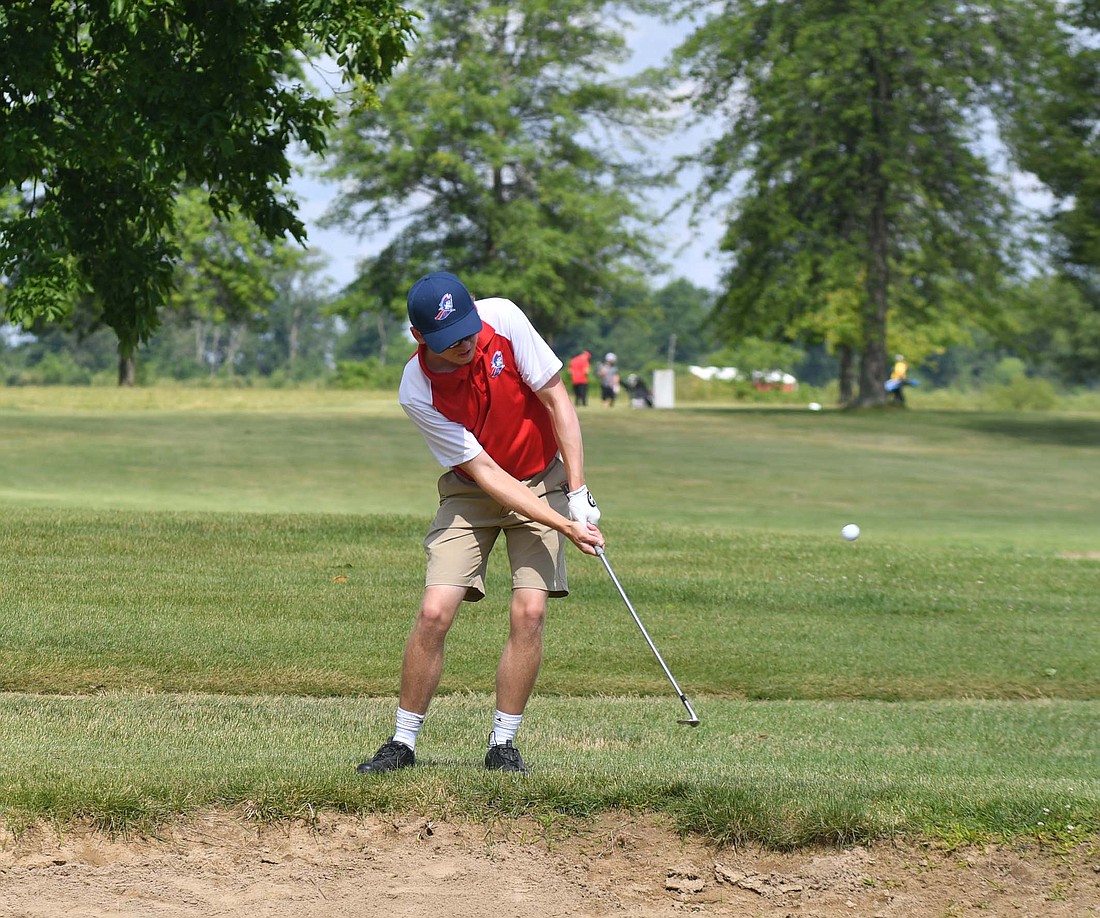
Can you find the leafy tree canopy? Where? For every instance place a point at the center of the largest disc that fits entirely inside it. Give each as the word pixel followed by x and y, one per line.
pixel 1054 118
pixel 496 154
pixel 864 212
pixel 108 107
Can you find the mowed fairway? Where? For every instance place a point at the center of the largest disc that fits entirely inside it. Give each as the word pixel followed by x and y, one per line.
pixel 204 597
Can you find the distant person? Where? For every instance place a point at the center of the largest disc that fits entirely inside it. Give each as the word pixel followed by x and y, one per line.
pixel 898 379
pixel 640 396
pixel 578 373
pixel 608 373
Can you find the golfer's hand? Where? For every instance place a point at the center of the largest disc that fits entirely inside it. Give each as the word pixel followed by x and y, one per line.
pixel 582 506
pixel 585 536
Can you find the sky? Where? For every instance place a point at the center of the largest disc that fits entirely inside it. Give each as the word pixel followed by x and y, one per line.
pixel 691 254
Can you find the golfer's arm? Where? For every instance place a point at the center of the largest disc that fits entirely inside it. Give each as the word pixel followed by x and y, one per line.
pixel 513 494
pixel 567 429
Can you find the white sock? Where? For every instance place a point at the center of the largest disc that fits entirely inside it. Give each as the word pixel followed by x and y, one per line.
pixel 408 725
pixel 504 727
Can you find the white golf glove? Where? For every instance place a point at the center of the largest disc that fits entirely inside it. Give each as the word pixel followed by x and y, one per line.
pixel 582 506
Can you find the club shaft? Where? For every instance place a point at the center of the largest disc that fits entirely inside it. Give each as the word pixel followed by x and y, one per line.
pixel 645 634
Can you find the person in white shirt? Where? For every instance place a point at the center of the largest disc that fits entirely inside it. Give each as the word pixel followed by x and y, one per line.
pixel 485 392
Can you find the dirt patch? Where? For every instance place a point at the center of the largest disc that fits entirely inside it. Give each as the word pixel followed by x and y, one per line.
pixel 218 865
pixel 1082 555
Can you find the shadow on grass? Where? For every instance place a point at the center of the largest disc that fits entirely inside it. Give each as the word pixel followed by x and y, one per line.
pixel 1037 429
pixel 741 408
pixel 1029 427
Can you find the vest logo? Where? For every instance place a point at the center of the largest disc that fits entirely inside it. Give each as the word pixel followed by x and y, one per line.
pixel 497 364
pixel 446 307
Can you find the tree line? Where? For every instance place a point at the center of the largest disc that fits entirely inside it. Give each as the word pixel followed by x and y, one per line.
pixel 860 157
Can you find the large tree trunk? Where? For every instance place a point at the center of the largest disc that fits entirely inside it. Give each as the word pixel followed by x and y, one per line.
pixel 847 375
pixel 292 338
pixel 127 373
pixel 872 365
pixel 233 340
pixel 383 338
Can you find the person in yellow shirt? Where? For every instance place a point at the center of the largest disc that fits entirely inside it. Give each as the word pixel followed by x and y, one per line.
pixel 898 380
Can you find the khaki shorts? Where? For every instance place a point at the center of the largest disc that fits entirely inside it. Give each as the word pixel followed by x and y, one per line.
pixel 468 523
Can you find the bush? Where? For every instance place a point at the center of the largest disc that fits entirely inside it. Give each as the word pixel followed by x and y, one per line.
pixel 1022 394
pixel 53 370
pixel 1081 400
pixel 367 374
pixel 1008 370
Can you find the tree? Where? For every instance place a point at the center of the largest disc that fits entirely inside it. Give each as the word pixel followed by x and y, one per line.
pixel 863 212
pixel 301 334
pixel 1054 128
pixel 1058 329
pixel 645 328
pixel 108 107
pixel 679 330
pixel 496 153
pixel 241 303
pixel 224 280
pixel 75 351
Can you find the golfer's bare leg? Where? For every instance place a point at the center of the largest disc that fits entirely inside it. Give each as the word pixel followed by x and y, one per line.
pixel 522 656
pixel 423 664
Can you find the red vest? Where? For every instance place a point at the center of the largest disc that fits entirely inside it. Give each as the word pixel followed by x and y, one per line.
pixel 490 399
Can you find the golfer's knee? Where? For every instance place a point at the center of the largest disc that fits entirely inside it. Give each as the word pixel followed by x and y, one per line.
pixel 528 614
pixel 434 617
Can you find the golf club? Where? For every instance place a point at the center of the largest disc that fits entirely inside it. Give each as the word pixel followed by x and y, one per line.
pixel 693 718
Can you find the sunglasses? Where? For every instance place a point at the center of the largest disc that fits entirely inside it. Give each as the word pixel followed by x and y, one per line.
pixel 460 342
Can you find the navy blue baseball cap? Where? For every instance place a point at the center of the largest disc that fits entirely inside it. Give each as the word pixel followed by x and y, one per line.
pixel 442 310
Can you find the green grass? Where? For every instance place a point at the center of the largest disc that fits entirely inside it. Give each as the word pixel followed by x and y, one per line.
pixel 1025 481
pixel 320 605
pixel 784 773
pixel 205 594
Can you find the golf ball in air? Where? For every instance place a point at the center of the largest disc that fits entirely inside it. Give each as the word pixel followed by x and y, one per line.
pixel 850 532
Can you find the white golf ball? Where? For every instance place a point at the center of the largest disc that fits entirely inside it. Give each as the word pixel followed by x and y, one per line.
pixel 850 532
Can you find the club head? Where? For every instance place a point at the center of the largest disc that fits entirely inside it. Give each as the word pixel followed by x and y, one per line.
pixel 692 719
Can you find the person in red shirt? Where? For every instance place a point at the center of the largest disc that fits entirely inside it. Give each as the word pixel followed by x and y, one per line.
pixel 485 392
pixel 578 373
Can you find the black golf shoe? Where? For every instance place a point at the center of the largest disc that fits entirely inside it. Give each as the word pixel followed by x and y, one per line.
pixel 505 757
pixel 391 756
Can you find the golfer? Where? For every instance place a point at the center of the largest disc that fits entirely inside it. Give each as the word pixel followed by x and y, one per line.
pixel 483 389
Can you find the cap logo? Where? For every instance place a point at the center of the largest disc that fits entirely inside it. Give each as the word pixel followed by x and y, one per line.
pixel 446 307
